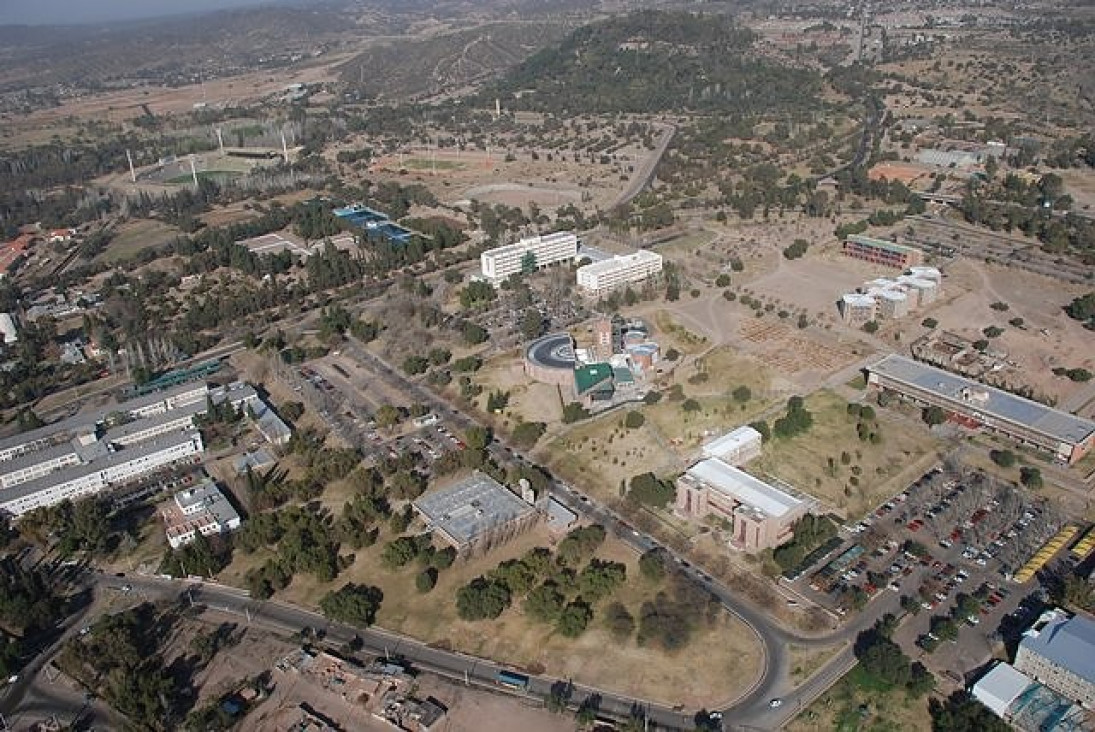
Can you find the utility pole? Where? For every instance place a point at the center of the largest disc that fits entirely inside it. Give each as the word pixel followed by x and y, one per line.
pixel 193 171
pixel 132 172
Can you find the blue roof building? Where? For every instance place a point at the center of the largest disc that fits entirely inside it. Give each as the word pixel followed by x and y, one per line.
pixel 375 223
pixel 1059 651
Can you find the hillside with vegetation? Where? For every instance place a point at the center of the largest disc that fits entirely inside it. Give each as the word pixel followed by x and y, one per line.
pixel 652 61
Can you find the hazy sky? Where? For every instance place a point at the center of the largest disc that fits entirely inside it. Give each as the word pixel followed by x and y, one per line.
pixel 40 12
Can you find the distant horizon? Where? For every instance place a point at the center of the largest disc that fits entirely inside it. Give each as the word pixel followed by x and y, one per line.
pixel 89 12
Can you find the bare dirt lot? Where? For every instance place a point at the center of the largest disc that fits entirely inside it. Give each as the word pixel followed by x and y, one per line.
pixel 229 92
pixel 1047 337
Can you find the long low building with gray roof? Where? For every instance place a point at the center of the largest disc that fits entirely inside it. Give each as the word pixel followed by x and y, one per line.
pixel 476 513
pixel 1065 435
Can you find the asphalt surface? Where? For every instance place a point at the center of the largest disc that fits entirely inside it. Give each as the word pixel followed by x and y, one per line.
pixel 552 351
pixel 750 712
pixel 753 710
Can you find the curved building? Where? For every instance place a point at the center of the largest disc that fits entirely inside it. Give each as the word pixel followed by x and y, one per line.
pixel 551 359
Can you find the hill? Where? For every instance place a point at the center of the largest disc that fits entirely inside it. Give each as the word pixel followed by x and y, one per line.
pixel 652 61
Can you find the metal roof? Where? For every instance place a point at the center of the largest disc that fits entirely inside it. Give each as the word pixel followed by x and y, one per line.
pixel 587 378
pixel 743 487
pixel 732 441
pixel 1000 687
pixel 471 507
pixel 1067 642
pixel 1059 425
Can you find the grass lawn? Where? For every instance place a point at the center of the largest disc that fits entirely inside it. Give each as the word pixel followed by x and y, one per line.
pixel 805 661
pixel 717 415
pixel 720 662
pixel 861 702
pixel 427 164
pixel 217 176
pixel 136 235
pixel 597 454
pixel 803 461
pixel 529 401
pixel 674 335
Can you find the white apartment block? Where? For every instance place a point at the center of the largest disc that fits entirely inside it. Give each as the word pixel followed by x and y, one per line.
pixel 499 263
pixel 115 468
pixel 203 510
pixel 601 277
pixel 89 453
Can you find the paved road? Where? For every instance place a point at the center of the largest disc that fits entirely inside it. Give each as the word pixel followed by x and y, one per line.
pixel 752 711
pixel 645 174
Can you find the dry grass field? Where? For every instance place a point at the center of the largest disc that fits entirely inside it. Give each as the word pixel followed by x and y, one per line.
pixel 597 454
pixel 720 662
pixel 803 461
pixel 134 236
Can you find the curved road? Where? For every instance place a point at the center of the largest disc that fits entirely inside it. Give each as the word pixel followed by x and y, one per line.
pixel 752 711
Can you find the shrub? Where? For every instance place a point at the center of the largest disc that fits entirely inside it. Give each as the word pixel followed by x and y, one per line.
pixel 633 420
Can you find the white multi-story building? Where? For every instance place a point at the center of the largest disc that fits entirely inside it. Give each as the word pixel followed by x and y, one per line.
pixel 89 453
pixel 736 447
pixel 1059 651
pixel 115 468
pixel 604 276
pixel 499 263
pixel 202 509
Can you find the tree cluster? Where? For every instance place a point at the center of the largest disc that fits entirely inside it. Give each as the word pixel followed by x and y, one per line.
pixel 796 421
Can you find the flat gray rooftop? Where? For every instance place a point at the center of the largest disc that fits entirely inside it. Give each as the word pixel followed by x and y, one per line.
pixel 471 507
pixel 1059 425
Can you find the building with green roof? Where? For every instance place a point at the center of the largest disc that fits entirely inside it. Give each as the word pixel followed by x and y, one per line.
pixel 594 382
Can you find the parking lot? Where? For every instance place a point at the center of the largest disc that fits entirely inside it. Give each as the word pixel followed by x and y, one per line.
pixel 944 532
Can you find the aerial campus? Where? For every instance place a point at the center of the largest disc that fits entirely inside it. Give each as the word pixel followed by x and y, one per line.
pixel 540 365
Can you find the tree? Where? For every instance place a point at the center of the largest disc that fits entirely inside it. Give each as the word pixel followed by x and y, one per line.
pixel 532 324
pixel 652 565
pixel 1003 458
pixel 933 416
pixel 930 323
pixel 633 420
pixel 1030 477
pixel 352 603
pixel 796 249
pixel 482 599
pixel 528 263
pixel 723 280
pixel 619 621
pixel 545 603
pixel 648 490
pixel 526 434
pixel 742 394
pixel 992 331
pixel 574 412
pixel 761 426
pixel 690 405
pixel 871 326
pixel 579 544
pixel 387 416
pixel 414 365
pixel 962 713
pixel 672 354
pixel 574 619
pixel 426 580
